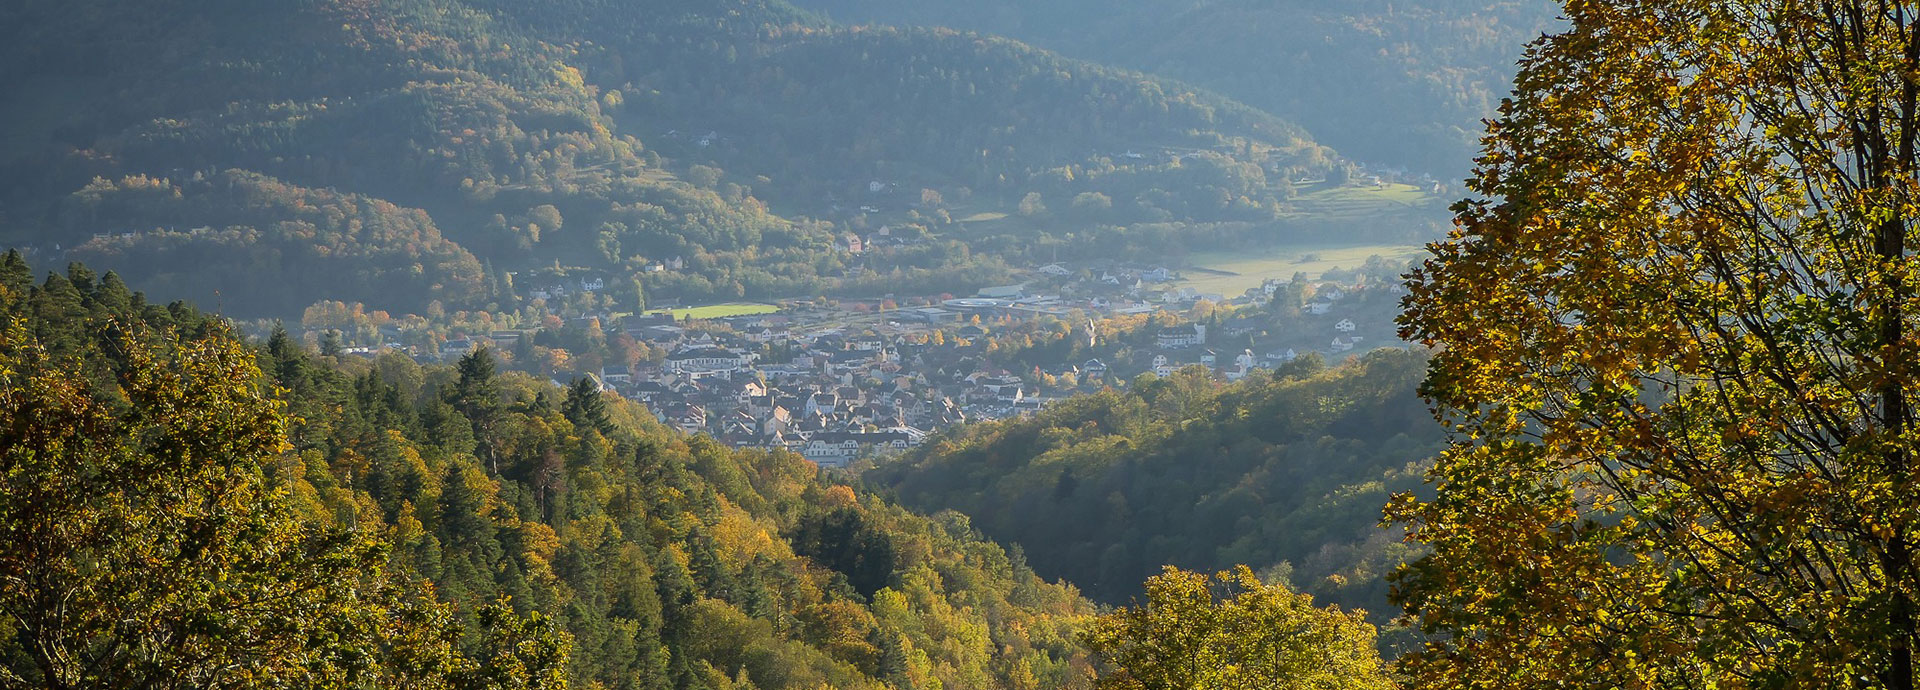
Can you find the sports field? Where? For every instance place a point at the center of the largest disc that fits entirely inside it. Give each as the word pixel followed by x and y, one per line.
pixel 715 311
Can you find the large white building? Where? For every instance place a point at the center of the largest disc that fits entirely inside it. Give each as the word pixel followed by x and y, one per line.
pixel 1187 335
pixel 707 360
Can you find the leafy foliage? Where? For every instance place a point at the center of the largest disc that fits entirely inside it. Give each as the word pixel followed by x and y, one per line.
pixel 148 547
pixel 1256 636
pixel 1676 342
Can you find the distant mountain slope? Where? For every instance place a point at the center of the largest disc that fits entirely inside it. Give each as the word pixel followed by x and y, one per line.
pixel 1401 82
pixel 1103 489
pixel 532 133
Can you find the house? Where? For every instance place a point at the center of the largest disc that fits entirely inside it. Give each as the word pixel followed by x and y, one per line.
pixel 457 347
pixel 592 284
pixel 691 419
pixel 616 375
pixel 821 404
pixel 1156 275
pixel 1319 308
pixel 706 360
pixel 830 449
pixel 1341 345
pixel 1187 335
pixel 768 335
pixel 1208 358
pixel 1163 367
pixel 1345 326
pixel 649 391
pixel 851 244
pixel 1095 369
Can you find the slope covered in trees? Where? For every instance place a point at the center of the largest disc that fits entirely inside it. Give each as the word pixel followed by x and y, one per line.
pixel 1397 82
pixel 238 229
pixel 1104 489
pixel 660 561
pixel 534 133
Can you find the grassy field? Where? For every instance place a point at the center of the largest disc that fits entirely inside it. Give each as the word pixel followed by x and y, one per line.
pixel 715 311
pixel 1358 202
pixel 1238 271
pixel 983 217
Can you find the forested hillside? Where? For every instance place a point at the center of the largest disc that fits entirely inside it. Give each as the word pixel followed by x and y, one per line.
pixel 661 561
pixel 1402 83
pixel 1104 489
pixel 607 136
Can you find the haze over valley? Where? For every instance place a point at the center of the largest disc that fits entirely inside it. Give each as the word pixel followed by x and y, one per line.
pixel 1129 345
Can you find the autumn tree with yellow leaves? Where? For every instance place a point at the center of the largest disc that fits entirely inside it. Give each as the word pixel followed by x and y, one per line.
pixel 1233 631
pixel 1676 348
pixel 145 545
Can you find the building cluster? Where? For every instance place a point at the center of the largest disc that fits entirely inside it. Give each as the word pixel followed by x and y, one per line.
pixel 829 396
pixel 812 381
pixel 1334 319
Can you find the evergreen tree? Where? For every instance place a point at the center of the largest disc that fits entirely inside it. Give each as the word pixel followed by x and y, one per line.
pixel 16 277
pixel 477 396
pixel 330 345
pixel 585 407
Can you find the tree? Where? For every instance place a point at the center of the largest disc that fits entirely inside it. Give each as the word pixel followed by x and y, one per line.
pixel 477 395
pixel 632 294
pixel 1031 205
pixel 547 217
pixel 15 276
pixel 1256 636
pixel 585 407
pixel 704 176
pixel 516 652
pixel 1092 205
pixel 147 547
pixel 330 345
pixel 1675 341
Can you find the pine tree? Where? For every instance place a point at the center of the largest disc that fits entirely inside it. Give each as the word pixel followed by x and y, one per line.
pixel 16 277
pixel 330 345
pixel 477 396
pixel 585 407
